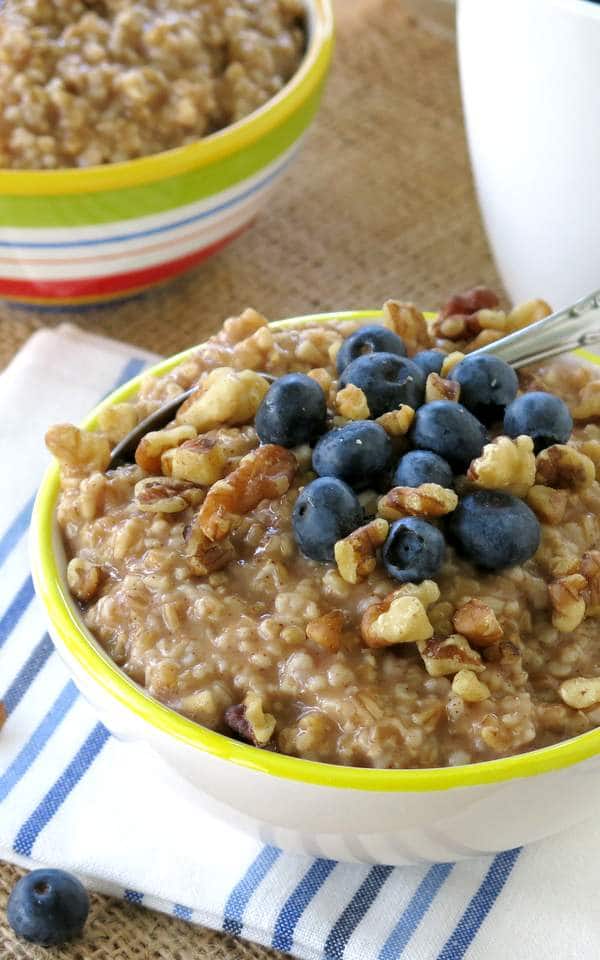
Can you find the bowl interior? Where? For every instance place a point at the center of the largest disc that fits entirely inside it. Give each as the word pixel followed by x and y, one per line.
pixel 49 571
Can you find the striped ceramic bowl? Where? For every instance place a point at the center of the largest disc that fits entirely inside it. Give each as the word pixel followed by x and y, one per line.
pixel 71 237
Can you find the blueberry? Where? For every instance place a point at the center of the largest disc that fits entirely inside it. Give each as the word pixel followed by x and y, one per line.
pixel 487 386
pixel 387 381
pixel 326 511
pixel 292 412
pixel 494 530
pixel 429 361
pixel 541 416
pixel 414 550
pixel 48 907
pixel 367 340
pixel 358 453
pixel 421 466
pixel 448 429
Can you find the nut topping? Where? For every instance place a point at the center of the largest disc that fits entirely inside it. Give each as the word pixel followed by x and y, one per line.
pixel 447 656
pixel 356 554
pixel 162 494
pixel 83 578
pixel 436 388
pixel 397 423
pixel 152 446
pixel 78 451
pixel 548 505
pixel 263 474
pixel 225 397
pixel 249 720
pixel 409 323
pixel 478 623
pixel 469 687
pixel 568 602
pixel 201 461
pixel 398 619
pixel 428 500
pixel 505 464
pixel 580 692
pixel 564 467
pixel 327 630
pixel 350 402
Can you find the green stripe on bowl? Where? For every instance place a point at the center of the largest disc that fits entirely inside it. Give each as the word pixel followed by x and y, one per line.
pixel 76 210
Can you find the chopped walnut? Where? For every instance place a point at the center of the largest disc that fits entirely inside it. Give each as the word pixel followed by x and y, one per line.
pixel 505 464
pixel 491 319
pixel 588 405
pixel 352 403
pixel 397 619
pixel 427 592
pixel 568 602
pixel 427 500
pixel 530 311
pixel 249 720
pixel 224 397
pixel 454 327
pixel 469 687
pixel 409 323
pixel 263 474
pixel 548 505
pixel 398 422
pixel 477 622
pixel 564 467
pixel 201 460
pixel 322 377
pixel 470 301
pixel 327 630
pixel 591 449
pixel 83 578
pixel 248 322
pixel 580 692
pixel 78 451
pixel 450 362
pixel 444 656
pixel 590 569
pixel 436 388
pixel 495 735
pixel 117 420
pixel 482 339
pixel 162 494
pixel 152 446
pixel 356 554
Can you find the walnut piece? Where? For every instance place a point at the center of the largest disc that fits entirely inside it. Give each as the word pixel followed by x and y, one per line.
pixel 505 464
pixel 202 555
pixel 580 692
pixel 568 602
pixel 397 619
pixel 78 451
pixel 450 362
pixel 117 420
pixel 470 301
pixel 356 554
pixel 152 446
pixel 588 405
pixel 321 376
pixel 530 311
pixel 589 568
pixel 327 630
pixel 83 578
pixel 201 460
pixel 548 505
pixel 248 322
pixel 352 403
pixel 467 685
pixel 427 592
pixel 482 339
pixel 564 467
pixel 225 397
pixel 444 656
pixel 397 423
pixel 409 323
pixel 162 494
pixel 263 474
pixel 477 622
pixel 427 500
pixel 436 388
pixel 249 720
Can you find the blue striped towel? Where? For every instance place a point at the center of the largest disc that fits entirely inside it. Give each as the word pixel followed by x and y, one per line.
pixel 72 796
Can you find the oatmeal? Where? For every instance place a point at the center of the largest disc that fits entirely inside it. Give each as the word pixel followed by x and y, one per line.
pixel 193 565
pixel 86 82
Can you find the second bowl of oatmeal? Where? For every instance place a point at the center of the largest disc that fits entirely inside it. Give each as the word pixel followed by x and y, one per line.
pixel 480 739
pixel 138 139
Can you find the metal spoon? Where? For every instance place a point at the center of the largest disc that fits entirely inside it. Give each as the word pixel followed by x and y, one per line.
pixel 569 329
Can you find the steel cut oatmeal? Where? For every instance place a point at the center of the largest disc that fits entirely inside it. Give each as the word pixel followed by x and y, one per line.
pixel 408 640
pixel 86 82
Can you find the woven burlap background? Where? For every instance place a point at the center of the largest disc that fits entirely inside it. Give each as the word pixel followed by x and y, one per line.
pixel 380 203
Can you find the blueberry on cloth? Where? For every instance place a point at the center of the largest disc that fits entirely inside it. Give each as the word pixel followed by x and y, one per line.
pixel 413 551
pixel 292 412
pixel 448 429
pixel 326 511
pixel 429 361
pixel 541 416
pixel 387 381
pixel 48 907
pixel 422 466
pixel 367 340
pixel 358 453
pixel 494 530
pixel 487 386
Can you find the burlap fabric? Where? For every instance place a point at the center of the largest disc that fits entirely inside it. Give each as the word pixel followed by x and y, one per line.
pixel 380 203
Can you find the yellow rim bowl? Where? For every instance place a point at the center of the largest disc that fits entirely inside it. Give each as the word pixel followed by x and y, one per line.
pixel 51 587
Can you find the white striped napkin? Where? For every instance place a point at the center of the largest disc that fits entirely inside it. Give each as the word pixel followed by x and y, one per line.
pixel 72 796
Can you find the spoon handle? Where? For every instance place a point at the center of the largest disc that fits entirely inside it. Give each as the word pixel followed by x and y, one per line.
pixel 569 329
